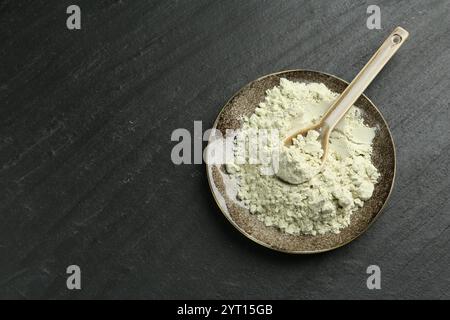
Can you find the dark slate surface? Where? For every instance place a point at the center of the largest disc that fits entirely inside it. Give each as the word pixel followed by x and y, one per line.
pixel 85 124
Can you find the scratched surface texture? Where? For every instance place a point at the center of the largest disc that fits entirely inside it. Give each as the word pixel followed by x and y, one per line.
pixel 85 124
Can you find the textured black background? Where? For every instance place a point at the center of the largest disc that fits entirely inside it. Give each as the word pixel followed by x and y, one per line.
pixel 85 124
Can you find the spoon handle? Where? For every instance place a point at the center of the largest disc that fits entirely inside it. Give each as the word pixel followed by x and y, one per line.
pixel 364 78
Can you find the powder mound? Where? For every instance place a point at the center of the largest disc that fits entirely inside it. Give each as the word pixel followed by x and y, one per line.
pixel 325 201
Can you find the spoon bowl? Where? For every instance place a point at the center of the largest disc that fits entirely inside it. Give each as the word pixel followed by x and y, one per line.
pixel 223 187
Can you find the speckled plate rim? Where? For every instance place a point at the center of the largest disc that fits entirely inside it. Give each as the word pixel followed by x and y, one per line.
pixel 302 252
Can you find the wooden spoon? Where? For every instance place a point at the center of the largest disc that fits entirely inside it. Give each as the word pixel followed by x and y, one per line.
pixel 354 90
